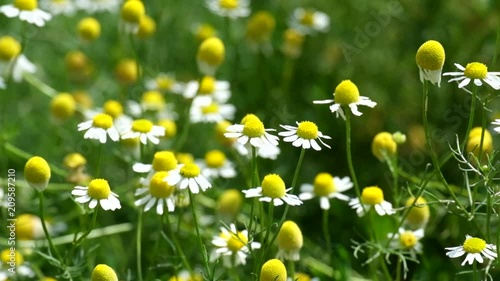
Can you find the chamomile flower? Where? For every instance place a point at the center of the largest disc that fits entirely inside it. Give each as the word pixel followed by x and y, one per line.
pixel 419 214
pixel 97 192
pixel 206 110
pixel 251 130
pixel 156 191
pixel 162 161
pixel 164 82
pixel 371 196
pixel 290 241
pixel 37 173
pixel 188 175
pixel 29 227
pixel 384 146
pixel 477 73
pixel 229 8
pixel 217 89
pixel 26 10
pixel 475 248
pixel 103 272
pixel 309 21
pixel 94 6
pixel 273 190
pixel 145 130
pixel 210 55
pixel 347 94
pixel 325 187
pixel 217 165
pixel 132 12
pixel 59 7
pixel 273 270
pixel 430 60
pixel 113 108
pixel 99 128
pixel 13 259
pixel 408 240
pixel 233 246
pixel 305 134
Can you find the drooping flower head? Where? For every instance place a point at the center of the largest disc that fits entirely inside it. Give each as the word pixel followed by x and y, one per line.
pixel 290 241
pixel 419 214
pixel 188 175
pixel 273 190
pixel 273 270
pixel 372 196
pixel 210 55
pixel 156 191
pixel 430 60
pixel 233 246
pixel 251 130
pixel 37 173
pixel 103 272
pixel 325 187
pixel 384 146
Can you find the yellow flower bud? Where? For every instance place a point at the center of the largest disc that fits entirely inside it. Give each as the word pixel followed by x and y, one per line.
pixel 37 173
pixel 103 272
pixel 89 29
pixel 290 241
pixel 210 55
pixel 383 145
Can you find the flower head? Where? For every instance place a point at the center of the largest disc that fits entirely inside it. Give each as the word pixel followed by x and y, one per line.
pixel 89 29
pixel 372 196
pixel 251 130
pixel 37 173
pixel 309 21
pixel 205 109
pixel 229 8
pixel 229 203
pixel 474 142
pixel 384 146
pixel 147 27
pixel 290 241
pixel 233 245
pixel 305 134
pixel 63 106
pixel 217 165
pixel 126 69
pixel 273 270
pixel 164 82
pixel 476 72
pixel 162 161
pixel 260 27
pixel 145 130
pixel 10 48
pixel 26 10
pixel 29 227
pixel 273 189
pixel 156 191
pixel 430 60
pixel 347 94
pixel 210 55
pixel 97 192
pixel 408 240
pixel 326 186
pixel 419 214
pixel 132 11
pixel 103 272
pixel 99 128
pixel 188 175
pixel 475 248
pixel 293 41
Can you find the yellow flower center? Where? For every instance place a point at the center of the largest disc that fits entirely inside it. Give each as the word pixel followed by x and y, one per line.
pixel 74 160
pixel 323 184
pixel 273 186
pixel 9 48
pixel 164 83
pixel 153 100
pixel 476 70
pixel 207 85
pixel 307 130
pixel 113 108
pixel 293 37
pixel 170 127
pixel 228 4
pixel 408 239
pixel 184 158
pixel 215 158
pixel 253 128
pixel 290 236
pixel 211 51
pixel 158 187
pixel 103 121
pixel 99 189
pixel 76 61
pixel 235 241
pixel 260 26
pixel 26 5
pixel 126 70
pixel 346 93
pixel 204 31
pixel 6 255
pixel 164 161
pixel 419 215
pixel 273 270
pixel 142 126
pixel 249 117
pixel 430 55
pixel 133 11
pixel 372 195
pixel 83 99
pixel 210 109
pixel 190 170
pixel 229 202
pixel 37 170
pixel 89 29
pixel 147 27
pixel 307 18
pixel 473 245
pixel 103 272
pixel 63 106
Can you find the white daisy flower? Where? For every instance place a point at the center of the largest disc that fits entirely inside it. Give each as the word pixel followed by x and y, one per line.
pixel 98 192
pixel 407 240
pixel 326 187
pixel 188 175
pixel 205 110
pixel 475 72
pixel 113 108
pixel 475 248
pixel 162 161
pixel 57 7
pixel 251 130
pixel 309 21
pixel 232 245
pixel 27 11
pixel 144 130
pixel 229 8
pixel 273 190
pixel 217 165
pixel 94 6
pixel 372 196
pixel 164 82
pixel 156 191
pixel 99 128
pixel 219 90
pixel 347 94
pixel 430 60
pixel 304 135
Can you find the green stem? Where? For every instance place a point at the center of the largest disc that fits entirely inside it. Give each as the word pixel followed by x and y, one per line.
pixel 253 174
pixel 297 170
pixel 139 245
pixel 99 153
pixel 136 57
pixel 291 269
pixel 92 225
pixel 398 270
pixel 326 233
pixel 200 241
pixel 471 116
pixel 178 247
pixel 474 271
pixel 349 154
pixel 52 248
pixel 39 85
